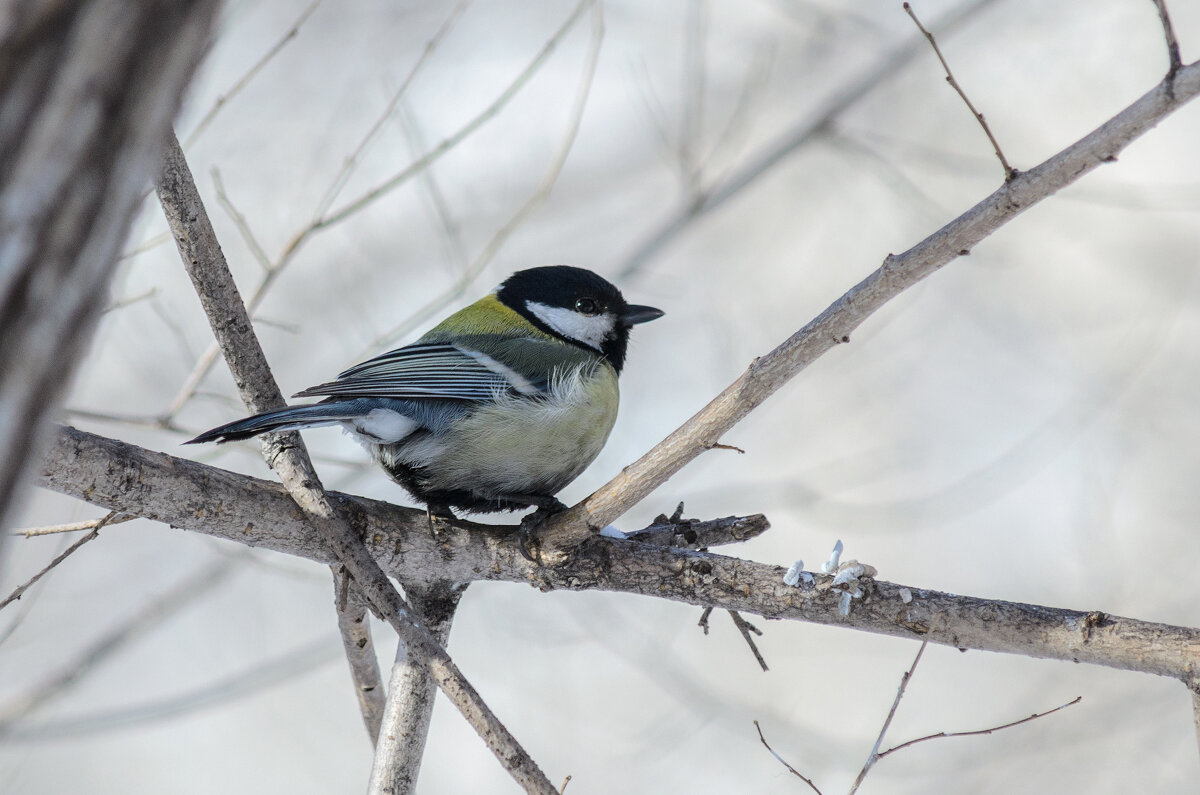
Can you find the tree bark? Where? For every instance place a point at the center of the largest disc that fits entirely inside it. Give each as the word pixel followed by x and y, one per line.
pixel 87 93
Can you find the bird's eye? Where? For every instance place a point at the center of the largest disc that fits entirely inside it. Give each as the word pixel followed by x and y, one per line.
pixel 587 306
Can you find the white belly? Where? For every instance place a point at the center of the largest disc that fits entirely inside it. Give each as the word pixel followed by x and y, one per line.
pixel 523 446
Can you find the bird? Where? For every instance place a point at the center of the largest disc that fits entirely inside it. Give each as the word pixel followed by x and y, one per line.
pixel 497 408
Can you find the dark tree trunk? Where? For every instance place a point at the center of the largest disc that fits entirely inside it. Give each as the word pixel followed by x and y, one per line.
pixel 88 90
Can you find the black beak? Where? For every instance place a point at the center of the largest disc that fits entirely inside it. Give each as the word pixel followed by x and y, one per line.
pixel 640 314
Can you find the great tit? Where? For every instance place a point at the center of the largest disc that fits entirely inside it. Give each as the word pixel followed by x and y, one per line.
pixel 498 407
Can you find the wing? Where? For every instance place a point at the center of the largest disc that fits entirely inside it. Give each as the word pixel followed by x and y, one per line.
pixel 427 371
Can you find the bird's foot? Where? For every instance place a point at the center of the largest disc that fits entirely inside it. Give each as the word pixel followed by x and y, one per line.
pixel 438 515
pixel 527 533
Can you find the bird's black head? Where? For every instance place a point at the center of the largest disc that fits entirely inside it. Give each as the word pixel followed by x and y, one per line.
pixel 577 306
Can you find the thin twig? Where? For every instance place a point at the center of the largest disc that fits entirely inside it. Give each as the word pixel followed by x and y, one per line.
pixel 240 222
pixel 75 669
pixel 147 245
pixel 251 682
pixel 762 161
pixel 121 303
pixel 451 229
pixel 691 121
pixel 1173 59
pixel 745 627
pixel 136 420
pixel 446 145
pixel 783 762
pixel 355 157
pixel 873 757
pixel 540 194
pixel 1009 171
pixel 941 735
pixel 704 616
pixel 245 79
pixel 66 553
pixel 322 220
pixel 71 527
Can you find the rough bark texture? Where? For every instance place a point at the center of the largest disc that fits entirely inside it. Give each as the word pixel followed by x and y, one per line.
pixel 286 454
pixel 411 693
pixel 87 93
pixel 182 493
pixel 206 266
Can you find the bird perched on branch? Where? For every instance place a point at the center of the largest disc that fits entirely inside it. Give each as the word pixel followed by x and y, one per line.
pixel 498 407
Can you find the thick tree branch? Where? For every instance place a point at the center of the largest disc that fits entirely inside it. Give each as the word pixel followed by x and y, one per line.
pixel 87 92
pixel 833 326
pixel 286 454
pixel 411 692
pixel 126 478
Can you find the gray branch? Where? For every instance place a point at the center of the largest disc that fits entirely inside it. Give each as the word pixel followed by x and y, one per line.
pixel 768 373
pixel 286 454
pixel 192 496
pixel 409 707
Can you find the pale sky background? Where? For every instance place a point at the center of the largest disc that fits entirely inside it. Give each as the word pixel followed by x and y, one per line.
pixel 1021 426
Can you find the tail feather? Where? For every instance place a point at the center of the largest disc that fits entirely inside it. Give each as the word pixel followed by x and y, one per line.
pixel 290 418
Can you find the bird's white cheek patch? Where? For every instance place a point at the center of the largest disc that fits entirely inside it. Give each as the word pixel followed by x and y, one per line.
pixel 591 330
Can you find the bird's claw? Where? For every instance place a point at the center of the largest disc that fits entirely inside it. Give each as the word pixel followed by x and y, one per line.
pixel 527 531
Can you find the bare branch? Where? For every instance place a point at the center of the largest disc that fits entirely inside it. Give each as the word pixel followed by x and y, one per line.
pixel 445 146
pixel 351 162
pixel 745 627
pixel 183 494
pixel 833 326
pixel 763 161
pixel 1173 59
pixel 531 204
pixel 322 220
pixel 287 665
pixel 360 653
pixel 121 303
pixel 783 762
pixel 21 589
pixel 873 757
pixel 71 527
pixel 74 670
pixel 240 222
pixel 285 452
pixel 701 534
pixel 941 735
pixel 250 74
pixel 411 692
pixel 1009 171
pixel 1195 691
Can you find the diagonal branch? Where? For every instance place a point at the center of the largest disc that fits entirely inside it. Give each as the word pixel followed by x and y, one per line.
pixel 833 326
pixel 1009 171
pixel 286 454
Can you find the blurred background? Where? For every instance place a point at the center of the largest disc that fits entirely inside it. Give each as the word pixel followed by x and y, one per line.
pixel 1021 426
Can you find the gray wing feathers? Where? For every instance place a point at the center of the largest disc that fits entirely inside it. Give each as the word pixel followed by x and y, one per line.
pixel 419 372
